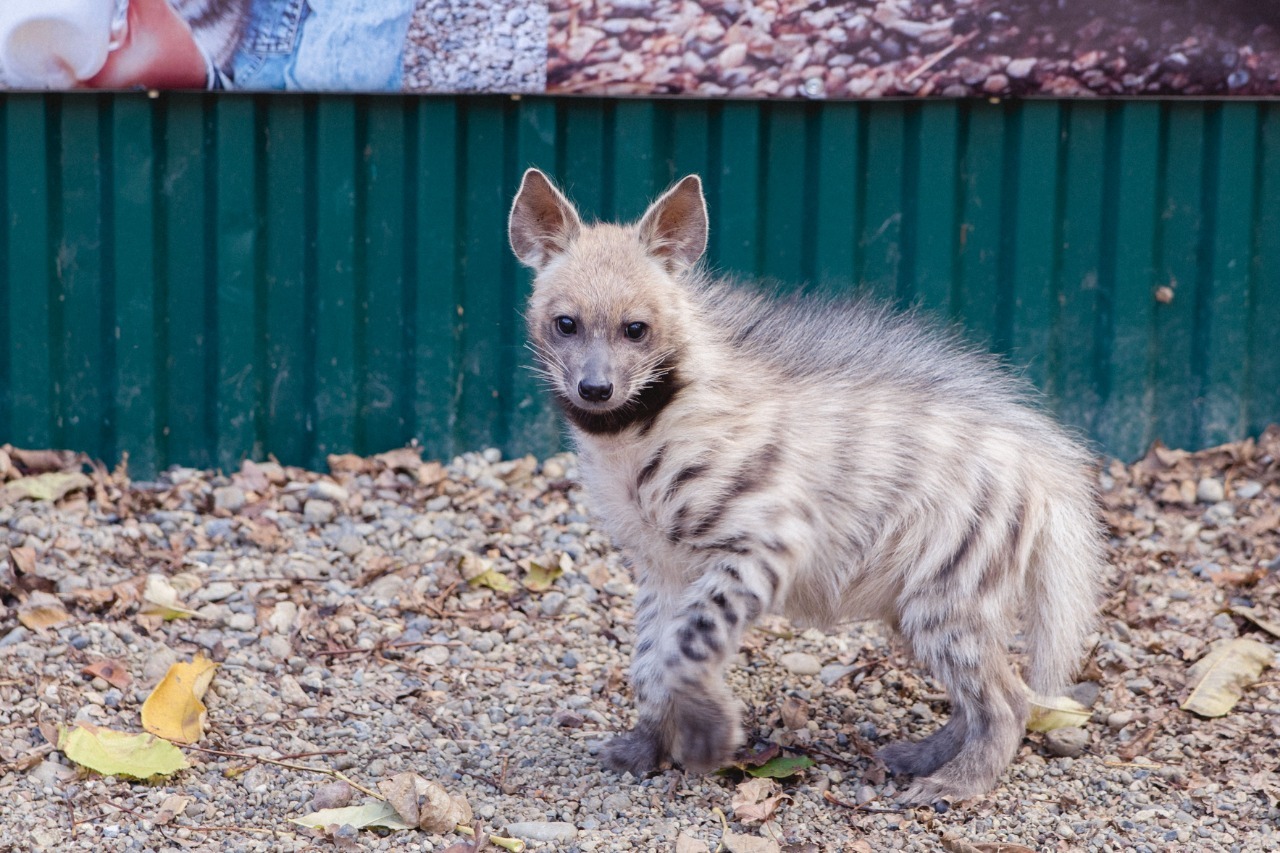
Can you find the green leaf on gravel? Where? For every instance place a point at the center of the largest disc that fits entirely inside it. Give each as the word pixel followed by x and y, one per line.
pixel 781 767
pixel 1056 712
pixel 372 813
pixel 1221 676
pixel 112 753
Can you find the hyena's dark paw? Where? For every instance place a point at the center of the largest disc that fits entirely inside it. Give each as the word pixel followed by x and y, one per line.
pixel 706 732
pixel 920 758
pixel 637 752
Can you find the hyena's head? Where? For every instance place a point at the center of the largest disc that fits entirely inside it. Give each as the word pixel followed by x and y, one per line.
pixel 609 314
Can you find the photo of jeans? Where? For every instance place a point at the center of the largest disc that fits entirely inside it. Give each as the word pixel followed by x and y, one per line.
pixel 322 45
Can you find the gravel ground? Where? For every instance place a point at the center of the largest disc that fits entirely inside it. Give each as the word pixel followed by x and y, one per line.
pixel 350 640
pixel 965 48
pixel 476 46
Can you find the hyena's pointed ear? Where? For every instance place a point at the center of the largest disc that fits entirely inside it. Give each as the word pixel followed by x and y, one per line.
pixel 542 223
pixel 674 228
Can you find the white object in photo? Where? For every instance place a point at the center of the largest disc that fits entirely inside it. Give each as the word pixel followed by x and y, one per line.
pixel 55 44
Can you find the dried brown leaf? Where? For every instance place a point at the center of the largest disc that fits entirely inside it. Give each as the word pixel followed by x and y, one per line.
pixel 756 800
pixel 794 713
pixel 348 463
pixel 42 611
pixel 41 461
pixel 1221 676
pixel 407 459
pixel 1270 626
pixel 169 809
pixel 111 671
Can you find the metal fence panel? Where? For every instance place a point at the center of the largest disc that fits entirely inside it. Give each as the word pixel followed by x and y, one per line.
pixel 195 278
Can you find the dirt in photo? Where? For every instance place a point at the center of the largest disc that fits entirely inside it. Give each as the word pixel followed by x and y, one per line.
pixel 813 48
pixel 477 46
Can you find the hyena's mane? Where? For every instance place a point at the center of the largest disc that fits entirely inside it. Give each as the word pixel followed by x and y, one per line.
pixel 823 335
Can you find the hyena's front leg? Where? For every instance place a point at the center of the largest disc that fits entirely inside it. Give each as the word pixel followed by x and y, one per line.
pixel 683 643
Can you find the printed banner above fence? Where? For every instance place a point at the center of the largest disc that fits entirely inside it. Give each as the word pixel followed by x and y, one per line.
pixel 765 49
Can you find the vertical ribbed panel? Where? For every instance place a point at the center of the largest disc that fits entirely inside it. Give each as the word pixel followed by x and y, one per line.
pixel 194 279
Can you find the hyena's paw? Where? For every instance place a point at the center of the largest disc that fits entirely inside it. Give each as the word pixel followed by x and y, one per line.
pixel 706 732
pixel 920 758
pixel 637 752
pixel 931 789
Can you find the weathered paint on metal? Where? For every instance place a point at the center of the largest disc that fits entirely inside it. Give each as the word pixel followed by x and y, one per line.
pixel 193 279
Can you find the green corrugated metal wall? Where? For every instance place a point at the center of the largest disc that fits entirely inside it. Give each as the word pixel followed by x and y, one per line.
pixel 195 278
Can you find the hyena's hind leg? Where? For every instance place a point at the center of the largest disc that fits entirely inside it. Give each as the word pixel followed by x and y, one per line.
pixel 967 756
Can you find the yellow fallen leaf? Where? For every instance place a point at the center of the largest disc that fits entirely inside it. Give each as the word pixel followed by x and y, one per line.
pixel 477 571
pixel 51 486
pixel 1221 676
pixel 1056 712
pixel 112 753
pixel 174 710
pixel 539 577
pixel 372 813
pixel 162 600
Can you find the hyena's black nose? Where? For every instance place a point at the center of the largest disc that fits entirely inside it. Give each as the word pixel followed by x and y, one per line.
pixel 594 392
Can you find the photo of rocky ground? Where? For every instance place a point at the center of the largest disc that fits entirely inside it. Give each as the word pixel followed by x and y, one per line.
pixel 468 623
pixel 873 48
pixel 477 46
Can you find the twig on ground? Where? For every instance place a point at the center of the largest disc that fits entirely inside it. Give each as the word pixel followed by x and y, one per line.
pixel 939 56
pixel 832 798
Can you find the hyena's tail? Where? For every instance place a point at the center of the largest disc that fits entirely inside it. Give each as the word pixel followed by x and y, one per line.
pixel 1064 586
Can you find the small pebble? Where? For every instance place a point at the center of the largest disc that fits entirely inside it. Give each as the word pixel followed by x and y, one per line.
pixel 1067 742
pixel 318 511
pixel 1209 490
pixel 327 490
pixel 334 795
pixel 800 663
pixel 230 498
pixel 1247 489
pixel 1117 720
pixel 539 830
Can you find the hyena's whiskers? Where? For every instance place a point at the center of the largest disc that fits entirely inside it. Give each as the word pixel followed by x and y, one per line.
pixel 826 459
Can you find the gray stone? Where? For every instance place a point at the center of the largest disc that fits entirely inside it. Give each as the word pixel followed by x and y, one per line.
pixel 1117 720
pixel 552 603
pixel 318 511
pixel 1020 68
pixel 800 663
pixel 1067 742
pixel 216 591
pixel 335 795
pixel 230 498
pixel 1247 489
pixel 327 490
pixel 543 830
pixel 1210 491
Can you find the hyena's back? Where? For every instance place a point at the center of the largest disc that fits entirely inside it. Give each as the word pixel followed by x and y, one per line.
pixel 929 470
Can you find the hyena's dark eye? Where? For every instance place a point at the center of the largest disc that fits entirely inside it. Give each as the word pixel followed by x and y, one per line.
pixel 566 325
pixel 636 331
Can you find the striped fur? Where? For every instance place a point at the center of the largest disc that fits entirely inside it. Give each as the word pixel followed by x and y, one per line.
pixel 824 458
pixel 216 25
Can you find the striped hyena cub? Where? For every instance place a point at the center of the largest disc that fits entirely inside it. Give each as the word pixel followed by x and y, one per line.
pixel 823 458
